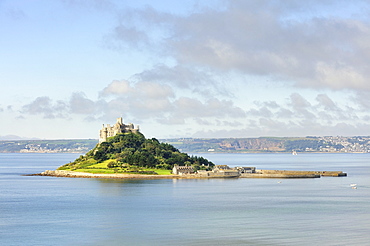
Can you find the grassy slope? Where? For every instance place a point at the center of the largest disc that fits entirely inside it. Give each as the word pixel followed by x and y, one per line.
pixel 102 168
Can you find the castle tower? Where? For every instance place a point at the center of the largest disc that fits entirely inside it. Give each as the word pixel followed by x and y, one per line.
pixel 103 134
pixel 119 121
pixel 119 127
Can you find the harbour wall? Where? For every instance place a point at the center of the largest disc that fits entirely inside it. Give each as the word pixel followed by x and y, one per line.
pixel 299 173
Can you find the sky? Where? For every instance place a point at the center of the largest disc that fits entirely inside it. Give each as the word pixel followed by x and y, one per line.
pixel 196 68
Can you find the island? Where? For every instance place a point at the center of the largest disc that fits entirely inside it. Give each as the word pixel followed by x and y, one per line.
pixel 124 152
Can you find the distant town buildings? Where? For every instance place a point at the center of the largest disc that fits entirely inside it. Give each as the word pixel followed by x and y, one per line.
pixel 345 144
pixel 48 146
pixel 38 148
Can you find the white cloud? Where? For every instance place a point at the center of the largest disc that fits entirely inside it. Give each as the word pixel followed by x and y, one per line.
pixel 268 127
pixel 197 80
pixel 154 90
pixel 261 112
pixel 186 107
pixel 312 44
pixel 91 4
pixel 298 102
pixel 79 104
pixel 46 107
pixel 198 70
pixel 117 88
pixel 362 98
pixel 140 101
pixel 342 77
pixel 326 102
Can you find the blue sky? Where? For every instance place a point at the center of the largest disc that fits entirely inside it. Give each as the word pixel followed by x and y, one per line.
pixel 185 68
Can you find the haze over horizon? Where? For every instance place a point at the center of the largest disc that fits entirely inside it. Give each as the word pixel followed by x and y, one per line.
pixel 214 69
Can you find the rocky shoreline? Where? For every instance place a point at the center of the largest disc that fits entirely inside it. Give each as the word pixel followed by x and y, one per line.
pixel 262 174
pixel 72 174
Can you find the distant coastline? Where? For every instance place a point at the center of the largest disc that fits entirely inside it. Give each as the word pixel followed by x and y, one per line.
pixel 47 146
pixel 328 144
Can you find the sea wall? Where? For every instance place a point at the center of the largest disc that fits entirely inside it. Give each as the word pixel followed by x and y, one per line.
pixel 278 175
pixel 211 174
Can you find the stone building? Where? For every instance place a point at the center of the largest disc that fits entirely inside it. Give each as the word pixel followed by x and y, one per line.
pixel 119 127
pixel 224 171
pixel 180 170
pixel 246 169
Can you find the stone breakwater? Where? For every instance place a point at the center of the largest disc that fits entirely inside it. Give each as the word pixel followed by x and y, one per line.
pixel 303 174
pixel 279 175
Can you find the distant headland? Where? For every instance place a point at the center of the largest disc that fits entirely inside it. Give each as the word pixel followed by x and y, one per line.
pixel 327 144
pixel 124 152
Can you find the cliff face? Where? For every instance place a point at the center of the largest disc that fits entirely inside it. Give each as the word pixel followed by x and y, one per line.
pixel 258 144
pixel 229 144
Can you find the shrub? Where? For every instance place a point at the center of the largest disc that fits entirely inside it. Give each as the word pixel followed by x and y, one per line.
pixel 112 164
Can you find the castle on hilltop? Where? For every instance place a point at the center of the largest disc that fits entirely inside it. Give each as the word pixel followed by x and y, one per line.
pixel 119 127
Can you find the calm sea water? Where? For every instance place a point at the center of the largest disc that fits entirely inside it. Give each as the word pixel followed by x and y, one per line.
pixel 72 211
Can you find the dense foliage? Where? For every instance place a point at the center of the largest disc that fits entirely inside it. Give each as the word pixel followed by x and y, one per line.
pixel 133 149
pixel 302 144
